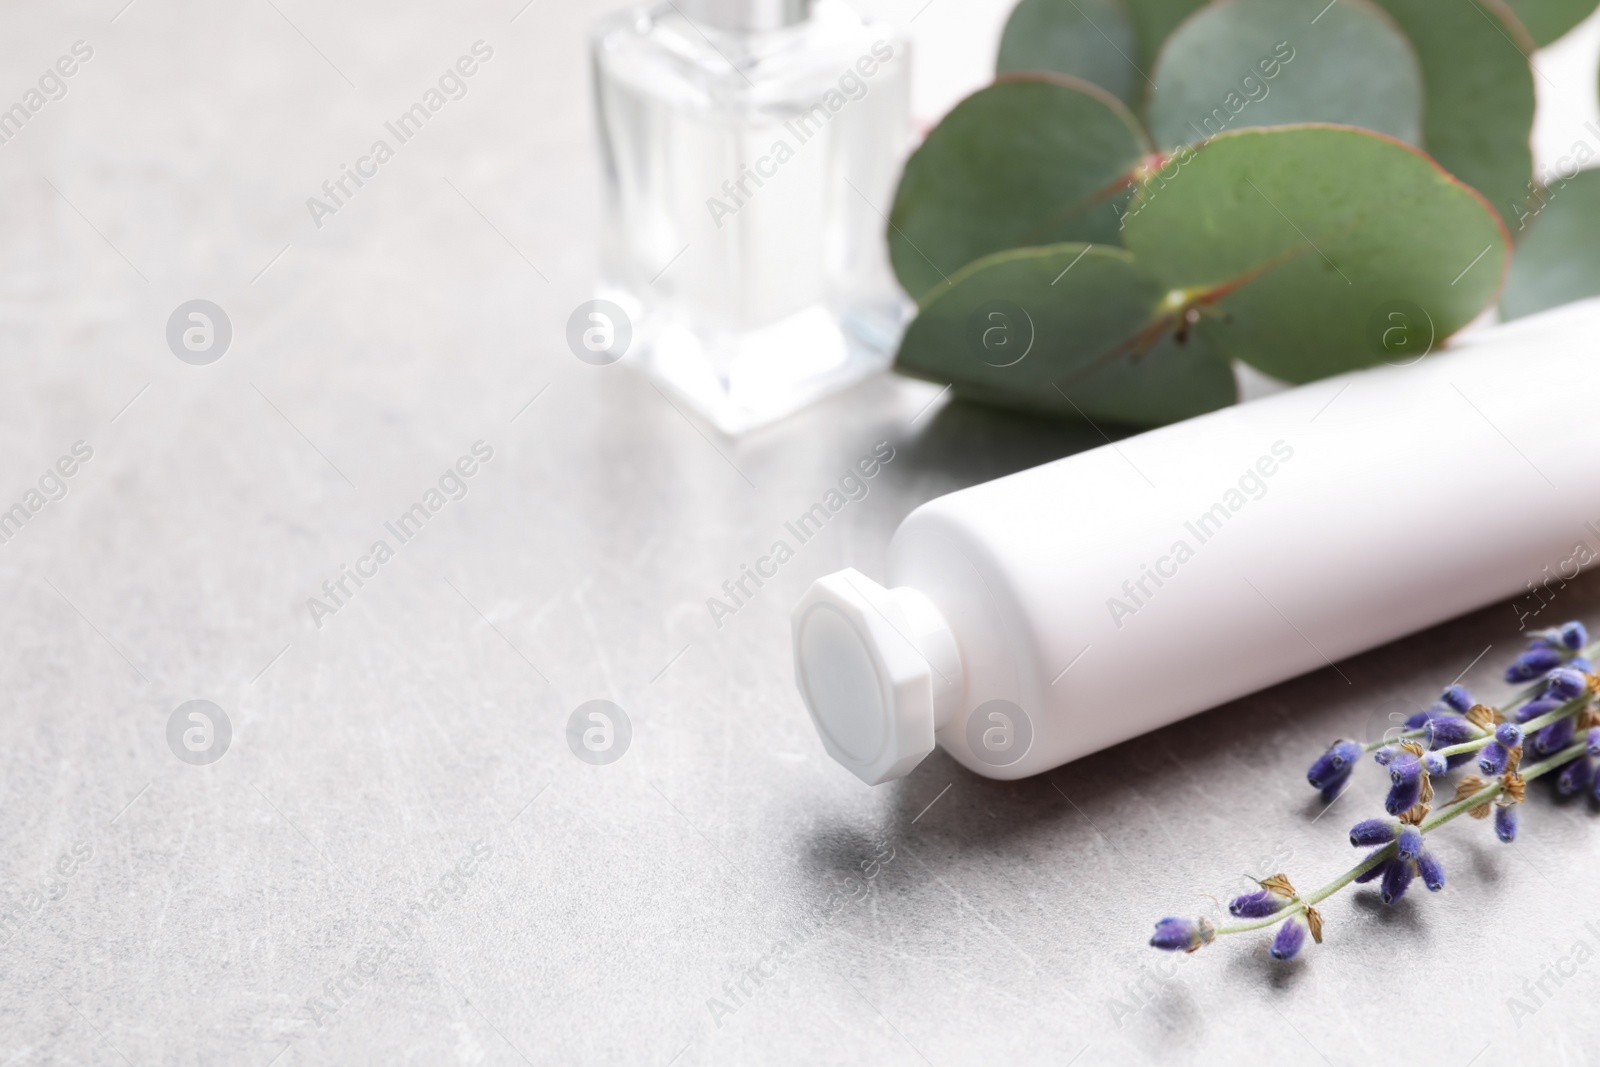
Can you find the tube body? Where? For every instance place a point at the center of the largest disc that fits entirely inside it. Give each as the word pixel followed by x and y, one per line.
pixel 1113 592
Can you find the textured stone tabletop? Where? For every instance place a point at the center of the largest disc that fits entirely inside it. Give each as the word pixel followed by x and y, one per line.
pixel 397 857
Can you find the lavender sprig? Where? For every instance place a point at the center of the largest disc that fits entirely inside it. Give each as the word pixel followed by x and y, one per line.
pixel 1554 719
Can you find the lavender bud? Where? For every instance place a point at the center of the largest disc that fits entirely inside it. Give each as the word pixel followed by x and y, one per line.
pixel 1593 741
pixel 1497 753
pixel 1385 755
pixel 1174 934
pixel 1575 777
pixel 1494 756
pixel 1534 663
pixel 1372 872
pixel 1432 871
pixel 1417 719
pixel 1574 636
pixel 1505 823
pixel 1406 774
pixel 1291 936
pixel 1405 767
pixel 1535 708
pixel 1403 796
pixel 1257 905
pixel 1566 684
pixel 1333 768
pixel 1437 764
pixel 1397 875
pixel 1410 846
pixel 1448 730
pixel 1555 737
pixel 1457 698
pixel 1373 832
pixel 1581 663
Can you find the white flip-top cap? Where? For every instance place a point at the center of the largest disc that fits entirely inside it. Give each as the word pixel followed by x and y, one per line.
pixel 879 671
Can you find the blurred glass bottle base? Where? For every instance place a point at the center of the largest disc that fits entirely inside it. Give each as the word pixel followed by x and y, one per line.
pixel 739 382
pixel 750 151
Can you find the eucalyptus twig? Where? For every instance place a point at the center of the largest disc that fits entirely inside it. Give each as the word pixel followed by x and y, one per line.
pixel 1543 720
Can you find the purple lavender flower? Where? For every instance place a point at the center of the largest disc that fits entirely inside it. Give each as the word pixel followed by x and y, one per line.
pixel 1505 822
pixel 1576 776
pixel 1446 730
pixel 1290 938
pixel 1410 846
pixel 1493 758
pixel 1373 832
pixel 1557 637
pixel 1592 740
pixel 1555 737
pixel 1186 934
pixel 1566 684
pixel 1399 872
pixel 1397 876
pixel 1450 730
pixel 1333 768
pixel 1385 755
pixel 1432 871
pixel 1537 661
pixel 1454 700
pixel 1535 708
pixel 1497 753
pixel 1257 905
pixel 1549 649
pixel 1573 636
pixel 1406 775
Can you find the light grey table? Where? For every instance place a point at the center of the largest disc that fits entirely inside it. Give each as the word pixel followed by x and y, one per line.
pixel 720 894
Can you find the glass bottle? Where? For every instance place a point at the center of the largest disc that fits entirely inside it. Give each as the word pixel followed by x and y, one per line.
pixel 750 151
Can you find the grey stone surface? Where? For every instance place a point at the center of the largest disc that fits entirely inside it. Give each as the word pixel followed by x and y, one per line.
pixel 203 914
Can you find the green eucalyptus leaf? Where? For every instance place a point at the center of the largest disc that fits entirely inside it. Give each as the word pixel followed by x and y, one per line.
pixel 1153 21
pixel 1548 20
pixel 1240 63
pixel 1088 39
pixel 1298 246
pixel 1479 109
pixel 1058 329
pixel 1030 160
pixel 1558 258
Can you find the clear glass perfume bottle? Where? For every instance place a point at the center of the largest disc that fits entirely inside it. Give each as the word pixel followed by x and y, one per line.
pixel 751 150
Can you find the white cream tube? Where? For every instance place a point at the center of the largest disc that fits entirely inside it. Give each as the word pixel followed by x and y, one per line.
pixel 1046 615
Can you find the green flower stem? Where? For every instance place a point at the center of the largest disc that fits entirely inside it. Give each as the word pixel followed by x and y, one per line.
pixel 1450 811
pixel 1538 722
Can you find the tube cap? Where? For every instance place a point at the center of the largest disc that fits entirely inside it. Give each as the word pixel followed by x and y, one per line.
pixel 878 671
